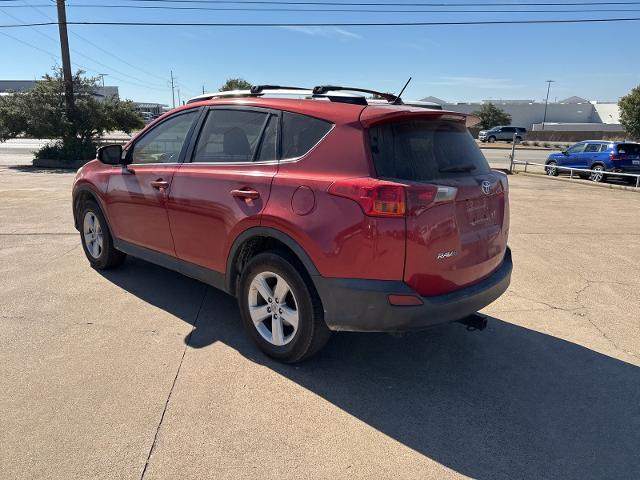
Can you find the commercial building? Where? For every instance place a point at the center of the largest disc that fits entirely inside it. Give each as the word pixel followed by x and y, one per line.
pixel 8 87
pixel 570 114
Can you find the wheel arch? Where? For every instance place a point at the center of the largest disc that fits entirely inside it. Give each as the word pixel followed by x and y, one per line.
pixel 258 239
pixel 80 195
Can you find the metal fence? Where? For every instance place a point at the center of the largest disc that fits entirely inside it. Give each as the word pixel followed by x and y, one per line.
pixel 572 171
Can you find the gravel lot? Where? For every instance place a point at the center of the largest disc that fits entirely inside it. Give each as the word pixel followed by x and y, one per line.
pixel 143 373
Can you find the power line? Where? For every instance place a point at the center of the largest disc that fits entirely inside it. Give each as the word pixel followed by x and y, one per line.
pixel 142 83
pixel 393 4
pixel 150 75
pixel 332 24
pixel 328 10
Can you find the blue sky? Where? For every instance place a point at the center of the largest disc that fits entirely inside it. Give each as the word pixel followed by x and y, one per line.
pixel 456 63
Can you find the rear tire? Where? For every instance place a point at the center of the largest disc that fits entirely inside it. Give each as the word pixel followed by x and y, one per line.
pixel 280 308
pixel 96 238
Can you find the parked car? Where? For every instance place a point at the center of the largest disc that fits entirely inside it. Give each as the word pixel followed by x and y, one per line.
pixel 598 155
pixel 315 215
pixel 502 134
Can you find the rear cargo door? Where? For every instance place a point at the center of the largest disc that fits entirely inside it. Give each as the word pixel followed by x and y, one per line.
pixel 457 211
pixel 628 156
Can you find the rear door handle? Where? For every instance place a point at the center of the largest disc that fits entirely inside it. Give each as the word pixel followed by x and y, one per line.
pixel 245 193
pixel 159 184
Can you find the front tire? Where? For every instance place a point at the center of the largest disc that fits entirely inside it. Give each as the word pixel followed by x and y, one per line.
pixel 96 238
pixel 598 174
pixel 280 308
pixel 491 139
pixel 551 169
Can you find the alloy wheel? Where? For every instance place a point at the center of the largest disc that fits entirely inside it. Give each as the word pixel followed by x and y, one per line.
pixel 273 308
pixel 551 169
pixel 93 236
pixel 597 175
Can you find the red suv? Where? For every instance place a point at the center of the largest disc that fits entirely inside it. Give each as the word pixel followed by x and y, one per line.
pixel 318 213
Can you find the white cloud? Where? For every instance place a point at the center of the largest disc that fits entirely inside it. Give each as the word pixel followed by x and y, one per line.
pixel 477 82
pixel 327 32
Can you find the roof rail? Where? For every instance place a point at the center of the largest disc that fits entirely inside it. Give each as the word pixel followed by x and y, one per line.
pixel 323 89
pixel 330 92
pixel 259 88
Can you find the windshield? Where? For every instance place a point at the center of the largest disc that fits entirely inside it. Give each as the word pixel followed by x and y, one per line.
pixel 425 150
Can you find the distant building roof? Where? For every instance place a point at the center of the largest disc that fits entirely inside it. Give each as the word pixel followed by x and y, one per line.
pixel 574 99
pixel 432 99
pixel 16 85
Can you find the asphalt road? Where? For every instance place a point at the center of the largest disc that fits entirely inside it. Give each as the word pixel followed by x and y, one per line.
pixel 140 372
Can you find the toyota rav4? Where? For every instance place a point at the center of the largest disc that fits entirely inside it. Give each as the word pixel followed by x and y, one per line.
pixel 317 211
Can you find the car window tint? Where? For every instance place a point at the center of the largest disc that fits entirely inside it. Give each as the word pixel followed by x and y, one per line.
pixel 229 136
pixel 578 148
pixel 301 133
pixel 629 149
pixel 269 141
pixel 425 150
pixel 592 147
pixel 163 143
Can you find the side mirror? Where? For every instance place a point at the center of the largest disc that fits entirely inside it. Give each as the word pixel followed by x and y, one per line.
pixel 565 152
pixel 110 154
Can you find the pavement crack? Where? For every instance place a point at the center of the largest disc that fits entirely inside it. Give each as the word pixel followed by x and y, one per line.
pixel 175 379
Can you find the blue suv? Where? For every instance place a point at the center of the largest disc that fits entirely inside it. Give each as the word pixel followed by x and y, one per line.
pixel 598 155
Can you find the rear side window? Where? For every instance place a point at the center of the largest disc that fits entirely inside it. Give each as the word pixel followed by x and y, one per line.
pixel 604 147
pixel 230 136
pixel 301 133
pixel 592 147
pixel 425 150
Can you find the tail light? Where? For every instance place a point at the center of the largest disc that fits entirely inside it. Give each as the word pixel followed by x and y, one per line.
pixel 614 157
pixel 380 198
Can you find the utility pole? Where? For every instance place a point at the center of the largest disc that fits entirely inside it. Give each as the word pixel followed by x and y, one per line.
pixel 203 89
pixel 102 75
pixel 173 95
pixel 66 60
pixel 546 103
pixel 179 102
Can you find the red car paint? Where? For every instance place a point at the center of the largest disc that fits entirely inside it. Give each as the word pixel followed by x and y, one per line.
pixel 197 219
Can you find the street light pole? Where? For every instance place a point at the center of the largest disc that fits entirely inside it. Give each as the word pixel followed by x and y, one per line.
pixel 546 102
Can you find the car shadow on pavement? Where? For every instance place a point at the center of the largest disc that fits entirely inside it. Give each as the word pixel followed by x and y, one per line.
pixel 508 402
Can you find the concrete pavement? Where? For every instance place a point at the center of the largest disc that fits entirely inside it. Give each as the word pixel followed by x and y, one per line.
pixel 143 373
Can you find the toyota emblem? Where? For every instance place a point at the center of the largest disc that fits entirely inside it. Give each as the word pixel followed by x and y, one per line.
pixel 486 187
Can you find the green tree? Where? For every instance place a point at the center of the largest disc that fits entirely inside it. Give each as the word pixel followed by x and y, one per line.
pixel 630 113
pixel 42 113
pixel 235 84
pixel 492 116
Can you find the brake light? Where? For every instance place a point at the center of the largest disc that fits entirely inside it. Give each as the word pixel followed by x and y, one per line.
pixel 613 157
pixel 379 198
pixel 376 198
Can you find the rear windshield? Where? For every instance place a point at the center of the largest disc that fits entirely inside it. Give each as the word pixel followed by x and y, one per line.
pixel 425 150
pixel 629 149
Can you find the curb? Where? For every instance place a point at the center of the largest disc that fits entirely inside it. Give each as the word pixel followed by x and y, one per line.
pixel 537 149
pixel 587 183
pixel 58 164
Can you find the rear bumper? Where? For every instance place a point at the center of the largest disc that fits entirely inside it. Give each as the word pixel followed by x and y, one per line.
pixel 363 305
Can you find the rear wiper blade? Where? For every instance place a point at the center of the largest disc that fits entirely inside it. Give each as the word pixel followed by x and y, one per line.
pixel 467 167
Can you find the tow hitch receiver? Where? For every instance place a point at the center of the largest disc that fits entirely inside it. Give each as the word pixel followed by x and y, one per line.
pixel 475 321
